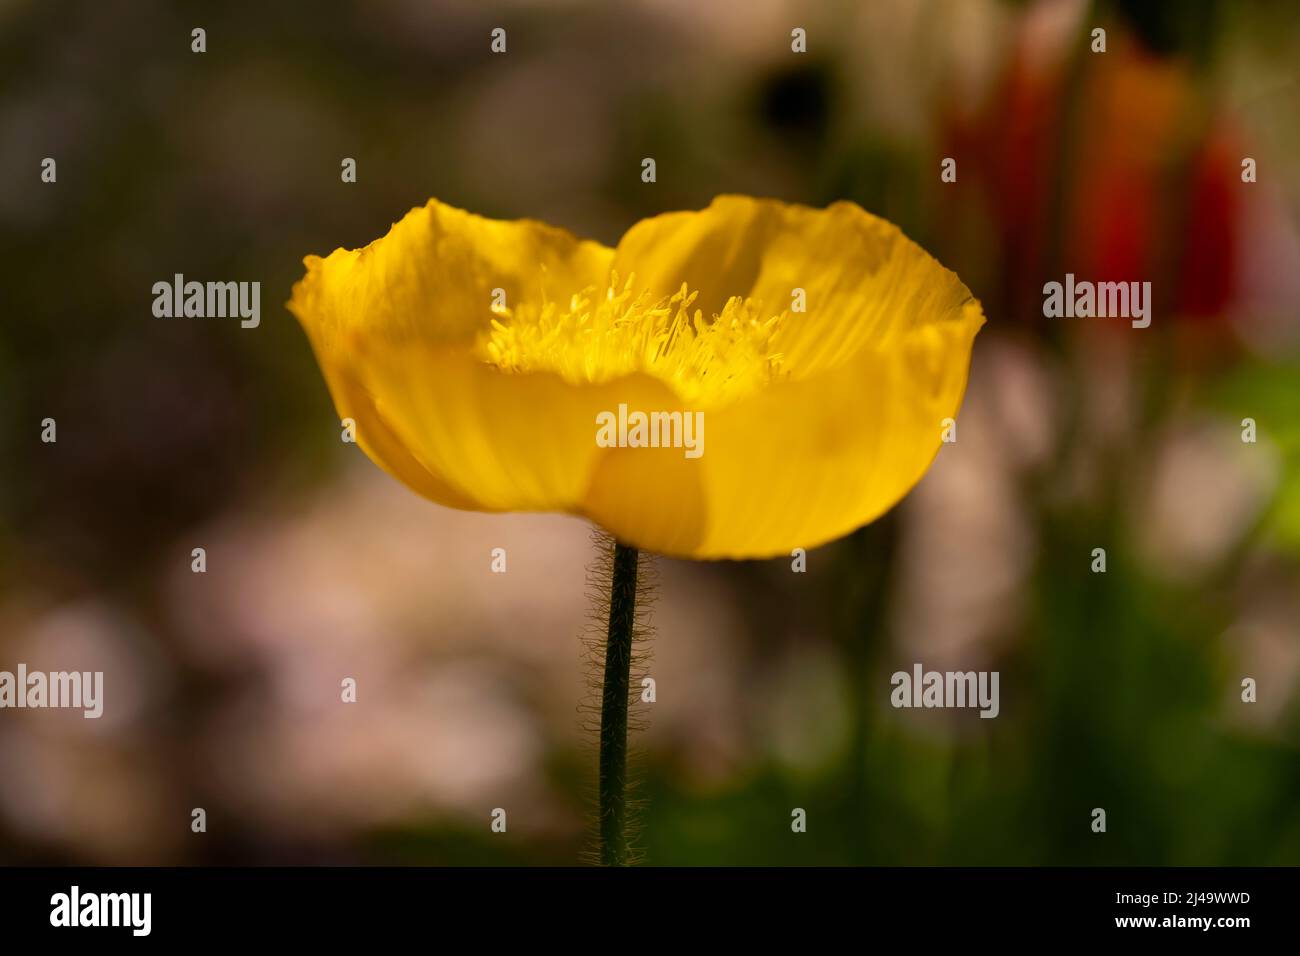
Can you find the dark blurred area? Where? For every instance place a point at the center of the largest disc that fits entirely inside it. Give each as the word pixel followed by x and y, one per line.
pixel 1120 690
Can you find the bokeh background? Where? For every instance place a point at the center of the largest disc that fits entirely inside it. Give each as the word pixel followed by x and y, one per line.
pixel 1119 690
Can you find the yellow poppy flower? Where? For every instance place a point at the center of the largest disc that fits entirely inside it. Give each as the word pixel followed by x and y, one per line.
pixel 793 366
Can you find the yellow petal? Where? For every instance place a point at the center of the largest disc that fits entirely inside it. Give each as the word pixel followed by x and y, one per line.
pixel 511 442
pixel 423 293
pixel 431 279
pixel 870 370
pixel 864 282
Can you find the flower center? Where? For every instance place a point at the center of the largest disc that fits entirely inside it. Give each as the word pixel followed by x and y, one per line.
pixel 602 336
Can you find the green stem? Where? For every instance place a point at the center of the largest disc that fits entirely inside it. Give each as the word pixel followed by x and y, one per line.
pixel 613 708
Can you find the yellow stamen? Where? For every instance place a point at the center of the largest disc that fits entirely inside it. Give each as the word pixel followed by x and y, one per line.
pixel 599 337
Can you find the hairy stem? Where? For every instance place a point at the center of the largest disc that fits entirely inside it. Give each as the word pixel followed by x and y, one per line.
pixel 613 708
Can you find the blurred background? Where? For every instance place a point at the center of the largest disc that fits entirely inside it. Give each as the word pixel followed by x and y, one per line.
pixel 1119 690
